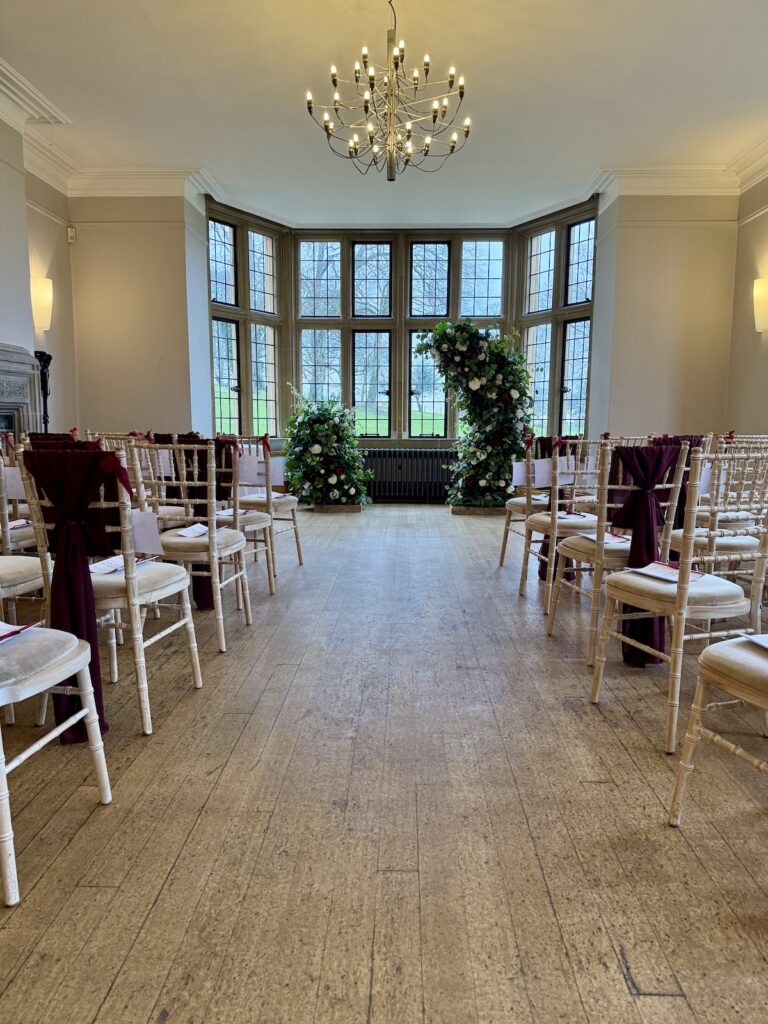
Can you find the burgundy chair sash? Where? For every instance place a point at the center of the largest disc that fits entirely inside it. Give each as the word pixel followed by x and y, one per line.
pixel 643 514
pixel 71 480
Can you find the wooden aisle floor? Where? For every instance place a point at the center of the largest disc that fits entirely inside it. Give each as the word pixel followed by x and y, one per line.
pixel 392 803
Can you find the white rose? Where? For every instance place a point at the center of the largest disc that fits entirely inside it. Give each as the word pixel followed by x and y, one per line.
pixel 482 482
pixel 336 419
pixel 457 359
pixel 499 378
pixel 483 380
pixel 515 394
pixel 351 490
pixel 502 483
pixel 334 495
pixel 474 384
pixel 510 488
pixel 444 348
pixel 519 414
pixel 481 356
pixel 332 478
pixel 316 449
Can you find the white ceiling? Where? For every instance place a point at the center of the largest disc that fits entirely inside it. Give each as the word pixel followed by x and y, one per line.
pixel 557 90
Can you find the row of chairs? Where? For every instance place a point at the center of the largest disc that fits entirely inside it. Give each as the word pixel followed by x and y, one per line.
pixel 221 489
pixel 585 508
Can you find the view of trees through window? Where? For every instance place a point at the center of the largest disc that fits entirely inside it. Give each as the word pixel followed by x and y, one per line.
pixel 339 315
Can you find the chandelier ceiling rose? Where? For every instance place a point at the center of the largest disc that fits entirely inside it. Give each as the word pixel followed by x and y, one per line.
pixel 392 118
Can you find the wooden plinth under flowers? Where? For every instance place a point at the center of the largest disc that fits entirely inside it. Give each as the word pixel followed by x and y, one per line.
pixel 338 508
pixel 474 510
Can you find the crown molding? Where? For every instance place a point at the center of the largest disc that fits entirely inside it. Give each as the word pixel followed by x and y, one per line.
pixel 23 103
pixel 692 180
pixel 751 165
pixel 140 181
pixel 47 162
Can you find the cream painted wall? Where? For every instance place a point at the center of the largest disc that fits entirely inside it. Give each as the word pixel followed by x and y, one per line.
pixel 748 376
pixel 131 321
pixel 47 219
pixel 662 319
pixel 15 305
pixel 198 319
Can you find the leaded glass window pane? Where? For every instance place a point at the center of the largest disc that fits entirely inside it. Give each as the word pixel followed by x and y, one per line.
pixel 221 262
pixel 321 364
pixel 430 262
pixel 263 382
pixel 371 354
pixel 372 279
pixel 261 269
pixel 482 266
pixel 320 279
pixel 226 378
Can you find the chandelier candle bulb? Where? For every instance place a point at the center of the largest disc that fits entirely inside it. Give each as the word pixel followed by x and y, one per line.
pixel 402 50
pixel 435 110
pixel 371 74
pixel 427 144
pixel 444 108
pixel 454 140
pixel 365 56
pixel 408 129
pixel 461 85
pixel 451 77
pixel 336 101
pixel 309 102
pixel 357 70
pixel 334 75
pixel 426 65
pixel 366 101
pixel 467 126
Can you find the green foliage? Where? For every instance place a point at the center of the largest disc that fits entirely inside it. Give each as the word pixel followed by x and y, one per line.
pixel 492 387
pixel 324 464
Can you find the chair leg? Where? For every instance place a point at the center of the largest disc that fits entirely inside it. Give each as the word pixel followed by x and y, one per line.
pixel 551 559
pixel 559 571
pixel 692 737
pixel 112 647
pixel 675 671
pixel 297 536
pixel 594 613
pixel 602 647
pixel 271 532
pixel 240 566
pixel 7 854
pixel 505 536
pixel 140 667
pixel 42 709
pixel 95 741
pixel 194 658
pixel 267 534
pixel 218 609
pixel 118 617
pixel 526 556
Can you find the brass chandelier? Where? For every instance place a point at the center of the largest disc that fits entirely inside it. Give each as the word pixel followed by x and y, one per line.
pixel 395 118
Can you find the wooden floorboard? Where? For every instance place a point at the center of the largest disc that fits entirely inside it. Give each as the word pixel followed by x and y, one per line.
pixel 392 802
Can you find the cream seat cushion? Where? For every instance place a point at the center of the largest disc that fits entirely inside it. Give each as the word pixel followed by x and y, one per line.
pixel 32 651
pixel 727 545
pixel 22 537
pixel 249 520
pixel 16 570
pixel 258 500
pixel 706 592
pixel 150 577
pixel 582 549
pixel 227 542
pixel 740 659
pixel 540 522
pixel 726 520
pixel 519 504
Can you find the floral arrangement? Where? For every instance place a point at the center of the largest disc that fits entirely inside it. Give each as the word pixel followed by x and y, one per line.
pixel 324 465
pixel 492 388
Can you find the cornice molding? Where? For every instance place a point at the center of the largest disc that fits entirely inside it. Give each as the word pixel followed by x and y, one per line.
pixel 751 165
pixel 138 181
pixel 48 162
pixel 23 103
pixel 693 180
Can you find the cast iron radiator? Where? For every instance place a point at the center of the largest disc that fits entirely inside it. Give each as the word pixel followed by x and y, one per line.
pixel 409 474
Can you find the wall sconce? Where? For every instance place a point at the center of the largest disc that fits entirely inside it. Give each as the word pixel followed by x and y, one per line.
pixel 42 302
pixel 760 295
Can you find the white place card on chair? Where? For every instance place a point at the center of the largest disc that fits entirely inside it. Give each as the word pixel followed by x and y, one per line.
pixel 107 565
pixel 195 530
pixel 277 470
pixel 251 468
pixel 518 474
pixel 542 472
pixel 14 488
pixel 146 534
